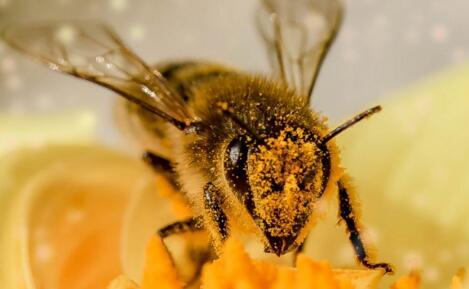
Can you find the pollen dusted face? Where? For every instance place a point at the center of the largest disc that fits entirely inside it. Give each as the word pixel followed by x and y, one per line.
pixel 285 177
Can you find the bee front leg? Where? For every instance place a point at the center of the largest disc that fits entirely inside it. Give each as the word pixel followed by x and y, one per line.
pixel 161 166
pixel 179 227
pixel 185 226
pixel 348 215
pixel 214 211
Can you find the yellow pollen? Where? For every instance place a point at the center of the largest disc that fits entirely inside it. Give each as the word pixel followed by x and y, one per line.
pixel 276 172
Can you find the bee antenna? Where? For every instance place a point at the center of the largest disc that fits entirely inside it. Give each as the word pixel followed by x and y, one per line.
pixel 223 106
pixel 367 113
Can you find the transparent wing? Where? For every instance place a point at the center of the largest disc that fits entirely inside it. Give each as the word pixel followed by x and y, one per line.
pixel 298 34
pixel 92 51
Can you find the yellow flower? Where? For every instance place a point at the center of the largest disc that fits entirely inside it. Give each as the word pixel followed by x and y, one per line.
pixel 235 269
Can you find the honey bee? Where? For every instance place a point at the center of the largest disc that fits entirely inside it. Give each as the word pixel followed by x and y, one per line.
pixel 246 151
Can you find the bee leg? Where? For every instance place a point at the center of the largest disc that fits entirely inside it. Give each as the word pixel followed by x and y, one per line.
pixel 199 256
pixel 214 210
pixel 347 214
pixel 179 227
pixel 161 166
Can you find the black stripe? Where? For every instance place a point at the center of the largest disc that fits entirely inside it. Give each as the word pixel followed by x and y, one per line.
pixel 162 166
pixel 157 163
pixel 169 71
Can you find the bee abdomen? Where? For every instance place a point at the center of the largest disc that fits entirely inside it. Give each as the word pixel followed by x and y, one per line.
pixel 184 76
pixel 170 70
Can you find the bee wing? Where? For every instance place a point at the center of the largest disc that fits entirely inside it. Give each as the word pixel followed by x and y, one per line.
pixel 92 51
pixel 298 34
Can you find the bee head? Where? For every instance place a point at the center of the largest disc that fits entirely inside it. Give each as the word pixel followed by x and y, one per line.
pixel 278 181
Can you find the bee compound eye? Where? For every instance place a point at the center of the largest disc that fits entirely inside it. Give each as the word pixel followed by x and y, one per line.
pixel 236 157
pixel 237 153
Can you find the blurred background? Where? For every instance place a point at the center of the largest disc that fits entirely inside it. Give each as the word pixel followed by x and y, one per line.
pixel 407 162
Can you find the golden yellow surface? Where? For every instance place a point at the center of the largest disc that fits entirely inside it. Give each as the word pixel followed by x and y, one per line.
pixel 235 269
pixel 159 271
pixel 62 216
